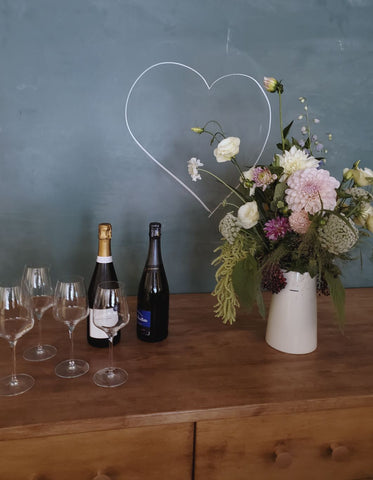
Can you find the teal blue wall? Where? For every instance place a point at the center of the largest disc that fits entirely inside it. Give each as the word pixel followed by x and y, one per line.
pixel 68 161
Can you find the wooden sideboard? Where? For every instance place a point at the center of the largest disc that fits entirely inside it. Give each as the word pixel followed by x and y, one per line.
pixel 211 402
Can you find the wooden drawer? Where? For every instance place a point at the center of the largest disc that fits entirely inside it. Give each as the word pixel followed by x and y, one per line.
pixel 159 452
pixel 244 448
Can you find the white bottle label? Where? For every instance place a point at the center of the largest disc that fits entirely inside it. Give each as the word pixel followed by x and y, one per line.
pixel 108 317
pixel 104 259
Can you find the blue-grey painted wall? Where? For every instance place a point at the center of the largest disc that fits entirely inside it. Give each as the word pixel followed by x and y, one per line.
pixel 68 161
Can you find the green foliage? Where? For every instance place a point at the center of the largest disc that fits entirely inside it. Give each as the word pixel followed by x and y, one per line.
pixel 246 280
pixel 230 255
pixel 287 129
pixel 337 294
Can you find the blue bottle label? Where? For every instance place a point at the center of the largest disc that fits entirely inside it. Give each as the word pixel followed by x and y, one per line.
pixel 144 319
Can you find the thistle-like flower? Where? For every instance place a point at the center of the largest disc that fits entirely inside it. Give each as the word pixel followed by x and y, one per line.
pixel 229 227
pixel 338 235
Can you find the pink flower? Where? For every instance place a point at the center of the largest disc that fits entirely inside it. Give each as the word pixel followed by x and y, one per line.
pixel 311 190
pixel 276 228
pixel 262 177
pixel 299 221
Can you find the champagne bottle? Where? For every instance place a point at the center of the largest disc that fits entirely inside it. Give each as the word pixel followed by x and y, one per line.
pixel 104 271
pixel 153 293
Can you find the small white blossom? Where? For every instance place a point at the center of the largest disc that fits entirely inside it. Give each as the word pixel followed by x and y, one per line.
pixel 193 165
pixel 316 120
pixel 304 130
pixel 359 194
pixel 361 176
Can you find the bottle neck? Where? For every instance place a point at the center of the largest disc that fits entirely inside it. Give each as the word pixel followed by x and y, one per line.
pixel 104 251
pixel 154 254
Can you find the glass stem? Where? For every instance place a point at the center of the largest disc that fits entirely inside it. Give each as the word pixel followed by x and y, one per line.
pixel 71 360
pixel 111 352
pixel 40 335
pixel 14 364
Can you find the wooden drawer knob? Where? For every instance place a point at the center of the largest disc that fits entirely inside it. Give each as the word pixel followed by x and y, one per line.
pixel 339 452
pixel 101 476
pixel 283 457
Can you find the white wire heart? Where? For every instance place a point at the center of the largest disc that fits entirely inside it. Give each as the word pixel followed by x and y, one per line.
pixel 209 87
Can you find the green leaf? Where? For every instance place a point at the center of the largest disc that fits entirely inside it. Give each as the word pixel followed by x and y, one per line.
pixel 246 281
pixel 337 293
pixel 295 142
pixel 279 192
pixel 287 129
pixel 260 303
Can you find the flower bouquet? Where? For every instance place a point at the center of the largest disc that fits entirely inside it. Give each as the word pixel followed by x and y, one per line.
pixel 290 215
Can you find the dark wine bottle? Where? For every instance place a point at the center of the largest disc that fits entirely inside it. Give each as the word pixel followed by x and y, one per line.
pixel 104 271
pixel 153 293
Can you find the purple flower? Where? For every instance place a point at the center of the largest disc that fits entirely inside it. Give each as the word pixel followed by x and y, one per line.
pixel 276 228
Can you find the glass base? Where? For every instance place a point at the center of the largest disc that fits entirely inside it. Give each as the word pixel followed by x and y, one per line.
pixel 10 386
pixel 110 377
pixel 71 368
pixel 39 353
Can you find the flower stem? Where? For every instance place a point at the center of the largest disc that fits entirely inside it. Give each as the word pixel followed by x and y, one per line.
pixel 281 125
pixel 225 184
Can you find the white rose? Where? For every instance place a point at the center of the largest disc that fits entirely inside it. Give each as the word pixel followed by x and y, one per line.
pixel 248 215
pixel 227 148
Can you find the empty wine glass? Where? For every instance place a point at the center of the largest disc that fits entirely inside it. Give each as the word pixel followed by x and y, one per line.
pixel 110 314
pixel 15 320
pixel 70 307
pixel 37 281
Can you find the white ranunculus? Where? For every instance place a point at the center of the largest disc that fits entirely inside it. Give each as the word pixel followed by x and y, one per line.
pixel 227 149
pixel 248 215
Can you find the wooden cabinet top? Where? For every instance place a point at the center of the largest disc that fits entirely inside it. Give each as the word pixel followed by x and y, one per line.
pixel 204 370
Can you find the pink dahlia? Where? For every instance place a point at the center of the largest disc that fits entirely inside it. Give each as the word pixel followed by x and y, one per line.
pixel 299 221
pixel 311 190
pixel 276 228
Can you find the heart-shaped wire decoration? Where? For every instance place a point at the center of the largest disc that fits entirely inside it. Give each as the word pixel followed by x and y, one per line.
pixel 209 87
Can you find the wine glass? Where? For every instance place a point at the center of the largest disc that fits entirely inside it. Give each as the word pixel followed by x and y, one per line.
pixel 110 314
pixel 70 307
pixel 15 320
pixel 37 281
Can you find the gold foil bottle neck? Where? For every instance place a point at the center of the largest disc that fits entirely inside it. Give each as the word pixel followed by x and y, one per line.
pixel 104 231
pixel 104 240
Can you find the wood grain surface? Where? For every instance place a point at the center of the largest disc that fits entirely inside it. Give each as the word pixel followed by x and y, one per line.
pixel 205 370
